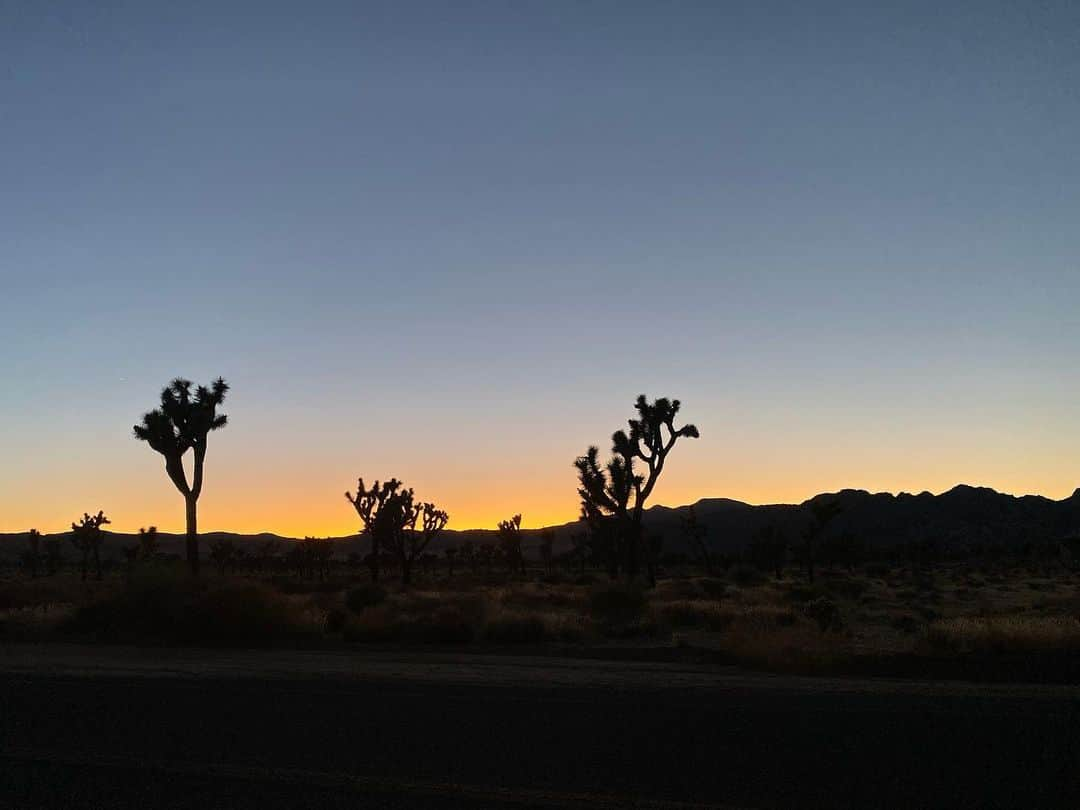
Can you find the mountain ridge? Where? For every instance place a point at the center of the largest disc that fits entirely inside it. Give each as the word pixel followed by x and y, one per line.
pixel 962 515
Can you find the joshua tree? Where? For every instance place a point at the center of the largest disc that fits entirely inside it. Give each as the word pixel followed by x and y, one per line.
pixel 87 536
pixel 696 532
pixel 616 494
pixel 148 543
pixel 823 513
pixel 579 541
pixel 267 556
pixel 54 557
pixel 369 504
pixel 396 522
pixel 182 423
pixel 223 553
pixel 547 545
pixel 510 542
pixel 31 556
pixel 769 548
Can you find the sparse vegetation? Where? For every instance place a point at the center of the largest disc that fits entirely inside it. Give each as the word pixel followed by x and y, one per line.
pixel 844 621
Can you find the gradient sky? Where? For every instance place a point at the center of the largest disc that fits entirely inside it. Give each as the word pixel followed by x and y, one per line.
pixel 452 242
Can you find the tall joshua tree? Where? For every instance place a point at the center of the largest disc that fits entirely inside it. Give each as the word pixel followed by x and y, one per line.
pixel 181 423
pixel 616 494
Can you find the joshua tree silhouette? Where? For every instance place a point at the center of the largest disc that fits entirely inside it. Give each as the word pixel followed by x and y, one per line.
pixel 768 549
pixel 87 536
pixel 148 543
pixel 182 423
pixel 617 493
pixel 31 556
pixel 823 513
pixel 547 548
pixel 54 557
pixel 696 532
pixel 394 520
pixel 510 543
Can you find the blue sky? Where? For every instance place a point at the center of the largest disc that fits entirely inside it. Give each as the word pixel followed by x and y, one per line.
pixel 452 242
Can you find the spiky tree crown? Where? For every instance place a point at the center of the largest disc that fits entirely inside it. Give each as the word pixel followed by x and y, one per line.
pixel 87 532
pixel 390 512
pixel 609 490
pixel 184 418
pixel 511 527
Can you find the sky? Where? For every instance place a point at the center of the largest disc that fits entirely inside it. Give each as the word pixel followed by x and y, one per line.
pixel 452 243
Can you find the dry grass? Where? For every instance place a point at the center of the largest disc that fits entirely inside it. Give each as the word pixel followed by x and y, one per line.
pixel 1006 634
pixel 778 624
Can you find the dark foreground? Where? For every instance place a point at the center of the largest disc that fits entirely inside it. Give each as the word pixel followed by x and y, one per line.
pixel 86 727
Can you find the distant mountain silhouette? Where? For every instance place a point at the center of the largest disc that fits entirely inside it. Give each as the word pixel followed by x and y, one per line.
pixel 962 517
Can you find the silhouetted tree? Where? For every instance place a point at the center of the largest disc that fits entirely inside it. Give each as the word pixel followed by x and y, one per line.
pixel 696 532
pixel 322 552
pixel 510 543
pixel 547 548
pixel 267 556
pixel 579 542
pixel 618 491
pixel 31 556
pixel 223 553
pixel 369 505
pixel 148 543
pixel 131 556
pixel 768 549
pixel 54 556
pixel 87 536
pixel 823 513
pixel 654 546
pixel 182 423
pixel 469 556
pixel 395 521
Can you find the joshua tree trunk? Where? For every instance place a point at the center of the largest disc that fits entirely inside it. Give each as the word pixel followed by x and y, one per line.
pixel 192 501
pixel 374 560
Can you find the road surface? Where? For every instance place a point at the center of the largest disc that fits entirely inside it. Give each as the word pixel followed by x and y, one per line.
pixel 118 727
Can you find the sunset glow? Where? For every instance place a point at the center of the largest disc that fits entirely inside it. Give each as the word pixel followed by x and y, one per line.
pixel 457 261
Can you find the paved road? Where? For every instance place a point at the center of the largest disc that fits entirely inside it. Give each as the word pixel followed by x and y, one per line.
pixel 83 727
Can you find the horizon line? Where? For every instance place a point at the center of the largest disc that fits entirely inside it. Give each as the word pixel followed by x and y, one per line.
pixel 576 520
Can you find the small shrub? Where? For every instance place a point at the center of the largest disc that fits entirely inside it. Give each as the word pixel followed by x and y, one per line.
pixel 823 611
pixel 746 576
pixel 714 588
pixel 335 621
pixel 878 570
pixel 447 625
pixel 515 628
pixel 905 623
pixel 693 613
pixel 805 593
pixel 365 596
pixel 847 588
pixel 617 603
pixel 374 624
